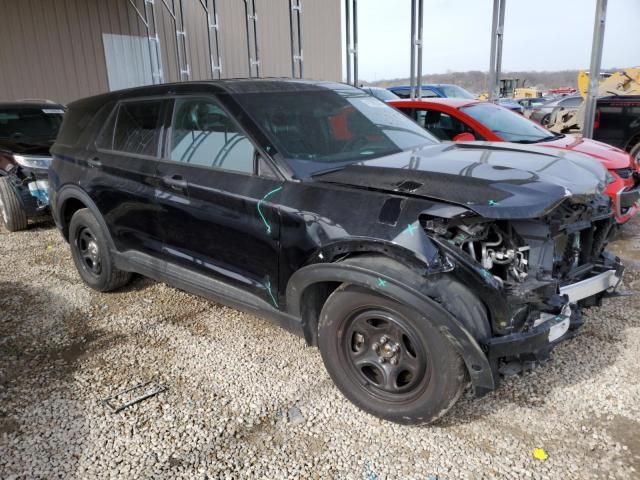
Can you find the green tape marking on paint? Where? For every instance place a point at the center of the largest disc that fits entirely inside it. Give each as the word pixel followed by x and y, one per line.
pixel 264 220
pixel 410 229
pixel 273 298
pixel 493 203
pixel 381 282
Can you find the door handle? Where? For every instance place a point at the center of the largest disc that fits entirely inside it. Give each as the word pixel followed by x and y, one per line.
pixel 175 181
pixel 94 162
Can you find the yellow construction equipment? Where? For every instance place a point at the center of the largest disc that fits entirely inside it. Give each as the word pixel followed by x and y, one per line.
pixel 620 83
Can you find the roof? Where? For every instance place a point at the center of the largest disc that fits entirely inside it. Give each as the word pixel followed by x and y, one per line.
pixel 451 102
pixel 230 86
pixel 437 85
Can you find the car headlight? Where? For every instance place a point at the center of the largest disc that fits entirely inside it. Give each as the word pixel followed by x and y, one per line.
pixel 29 161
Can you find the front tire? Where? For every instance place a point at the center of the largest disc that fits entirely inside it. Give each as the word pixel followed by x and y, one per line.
pixel 91 254
pixel 12 215
pixel 387 358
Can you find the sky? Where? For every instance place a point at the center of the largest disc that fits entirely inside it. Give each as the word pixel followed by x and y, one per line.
pixel 539 35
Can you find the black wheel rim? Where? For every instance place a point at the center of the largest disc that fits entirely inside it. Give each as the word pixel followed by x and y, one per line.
pixel 89 251
pixel 384 355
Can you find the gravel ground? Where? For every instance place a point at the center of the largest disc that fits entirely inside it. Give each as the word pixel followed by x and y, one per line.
pixel 248 400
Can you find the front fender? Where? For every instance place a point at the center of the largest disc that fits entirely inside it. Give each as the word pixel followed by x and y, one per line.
pixel 476 361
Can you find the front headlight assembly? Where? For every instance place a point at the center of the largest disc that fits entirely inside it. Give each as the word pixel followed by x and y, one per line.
pixel 29 161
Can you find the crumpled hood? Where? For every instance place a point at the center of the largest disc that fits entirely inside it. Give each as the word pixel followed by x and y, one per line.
pixel 496 180
pixel 611 157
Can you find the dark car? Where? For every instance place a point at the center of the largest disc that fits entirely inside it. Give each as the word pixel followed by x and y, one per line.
pixel 442 90
pixel 380 93
pixel 414 265
pixel 542 113
pixel 618 123
pixel 27 131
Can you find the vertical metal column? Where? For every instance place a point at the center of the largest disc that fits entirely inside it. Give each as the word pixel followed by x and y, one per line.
pixel 497 33
pixel 252 18
pixel 184 72
pixel 215 62
pixel 295 29
pixel 355 43
pixel 419 51
pixel 594 69
pixel 412 72
pixel 351 23
pixel 149 21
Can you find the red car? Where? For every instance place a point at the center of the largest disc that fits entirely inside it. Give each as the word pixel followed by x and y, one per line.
pixel 455 119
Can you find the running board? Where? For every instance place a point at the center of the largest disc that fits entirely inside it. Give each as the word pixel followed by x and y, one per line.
pixel 204 286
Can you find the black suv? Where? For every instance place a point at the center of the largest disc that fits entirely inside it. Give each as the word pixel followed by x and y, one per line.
pixel 618 123
pixel 27 131
pixel 415 266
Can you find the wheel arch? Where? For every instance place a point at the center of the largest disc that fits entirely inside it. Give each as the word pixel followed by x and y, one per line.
pixel 69 200
pixel 309 287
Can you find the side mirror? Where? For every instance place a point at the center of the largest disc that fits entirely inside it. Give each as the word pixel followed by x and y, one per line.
pixel 464 137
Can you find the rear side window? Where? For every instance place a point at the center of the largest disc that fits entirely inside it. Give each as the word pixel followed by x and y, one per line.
pixel 203 134
pixel 135 128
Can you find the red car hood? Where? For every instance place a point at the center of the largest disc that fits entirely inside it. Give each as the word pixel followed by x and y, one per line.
pixel 611 157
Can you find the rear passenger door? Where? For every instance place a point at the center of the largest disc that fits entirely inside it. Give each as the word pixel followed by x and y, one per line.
pixel 227 225
pixel 123 179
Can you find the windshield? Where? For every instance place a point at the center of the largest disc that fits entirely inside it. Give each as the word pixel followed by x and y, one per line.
pixel 322 130
pixel 30 124
pixel 453 91
pixel 507 124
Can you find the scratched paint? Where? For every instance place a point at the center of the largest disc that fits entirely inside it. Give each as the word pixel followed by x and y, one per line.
pixel 263 199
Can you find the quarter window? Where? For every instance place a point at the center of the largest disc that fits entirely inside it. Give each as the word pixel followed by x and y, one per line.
pixel 203 134
pixel 137 128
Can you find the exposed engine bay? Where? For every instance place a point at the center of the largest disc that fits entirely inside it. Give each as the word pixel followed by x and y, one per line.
pixel 532 259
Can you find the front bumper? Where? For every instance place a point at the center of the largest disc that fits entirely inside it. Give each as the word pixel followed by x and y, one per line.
pixel 32 191
pixel 550 329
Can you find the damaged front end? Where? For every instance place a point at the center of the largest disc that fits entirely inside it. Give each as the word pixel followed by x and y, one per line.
pixel 28 177
pixel 546 269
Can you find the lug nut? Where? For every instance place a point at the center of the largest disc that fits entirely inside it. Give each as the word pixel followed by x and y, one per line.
pixel 375 346
pixel 393 361
pixel 382 359
pixel 396 348
pixel 383 339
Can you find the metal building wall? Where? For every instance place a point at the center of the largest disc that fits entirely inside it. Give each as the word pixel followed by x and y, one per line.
pixel 54 48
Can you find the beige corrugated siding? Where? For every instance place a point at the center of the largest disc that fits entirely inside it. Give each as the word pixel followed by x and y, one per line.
pixel 54 48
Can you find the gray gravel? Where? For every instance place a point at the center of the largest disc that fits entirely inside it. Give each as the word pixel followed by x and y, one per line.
pixel 247 400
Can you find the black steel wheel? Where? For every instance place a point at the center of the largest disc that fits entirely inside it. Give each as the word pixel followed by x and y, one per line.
pixel 387 358
pixel 90 252
pixel 87 245
pixel 383 353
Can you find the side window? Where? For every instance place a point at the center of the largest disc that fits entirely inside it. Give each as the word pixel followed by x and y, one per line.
pixel 203 134
pixel 428 93
pixel 442 125
pixel 134 128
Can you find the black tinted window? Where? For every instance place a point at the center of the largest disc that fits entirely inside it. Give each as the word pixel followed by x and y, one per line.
pixel 203 134
pixel 30 124
pixel 137 128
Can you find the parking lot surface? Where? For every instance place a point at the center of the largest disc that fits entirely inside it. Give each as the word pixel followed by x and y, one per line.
pixel 246 399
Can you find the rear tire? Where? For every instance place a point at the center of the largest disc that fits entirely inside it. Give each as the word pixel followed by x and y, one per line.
pixel 387 358
pixel 91 254
pixel 12 215
pixel 544 121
